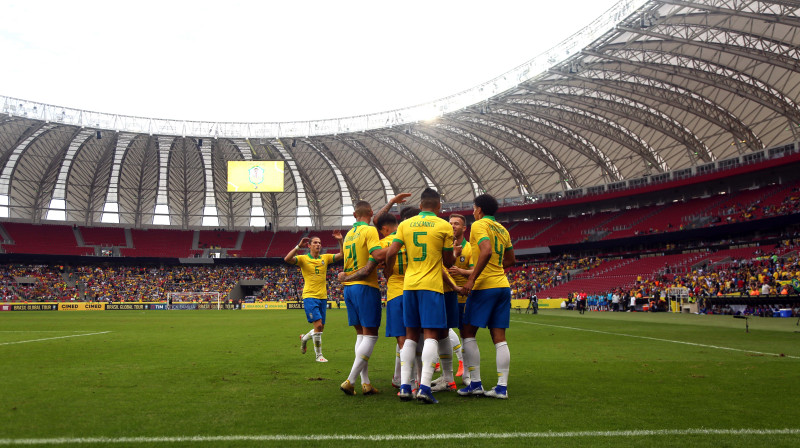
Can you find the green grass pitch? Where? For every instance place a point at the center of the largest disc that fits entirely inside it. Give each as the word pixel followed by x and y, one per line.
pixel 210 374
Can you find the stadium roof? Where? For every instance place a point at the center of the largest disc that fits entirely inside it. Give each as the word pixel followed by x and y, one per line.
pixel 649 87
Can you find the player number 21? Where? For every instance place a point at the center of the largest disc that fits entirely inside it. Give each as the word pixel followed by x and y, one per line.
pixel 352 249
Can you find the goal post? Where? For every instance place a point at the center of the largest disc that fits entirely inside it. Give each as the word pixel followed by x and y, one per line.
pixel 213 297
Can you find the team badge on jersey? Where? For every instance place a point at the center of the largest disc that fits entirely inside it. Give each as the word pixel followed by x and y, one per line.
pixel 461 259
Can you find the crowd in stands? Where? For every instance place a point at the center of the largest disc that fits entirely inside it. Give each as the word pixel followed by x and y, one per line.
pixel 530 277
pixel 772 271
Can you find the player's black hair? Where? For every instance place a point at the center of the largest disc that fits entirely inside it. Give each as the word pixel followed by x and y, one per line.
pixel 487 204
pixel 311 238
pixel 408 212
pixel 429 198
pixel 384 219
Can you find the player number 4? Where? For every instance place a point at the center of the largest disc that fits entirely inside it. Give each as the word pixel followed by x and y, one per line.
pixel 499 249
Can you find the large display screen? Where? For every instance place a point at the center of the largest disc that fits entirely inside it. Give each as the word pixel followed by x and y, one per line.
pixel 256 176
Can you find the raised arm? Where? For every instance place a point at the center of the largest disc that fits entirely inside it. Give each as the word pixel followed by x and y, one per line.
pixel 289 258
pixel 338 235
pixel 399 199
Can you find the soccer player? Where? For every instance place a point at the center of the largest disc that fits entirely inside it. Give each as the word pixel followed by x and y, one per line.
pixel 387 226
pixel 428 240
pixel 460 271
pixel 362 297
pixel 361 292
pixel 489 303
pixel 314 268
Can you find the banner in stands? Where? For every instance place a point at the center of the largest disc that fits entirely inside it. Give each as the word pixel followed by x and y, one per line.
pixel 157 306
pixel 82 306
pixel 275 306
pixel 294 305
pixel 32 307
pixel 127 306
pixel 183 306
pixel 550 303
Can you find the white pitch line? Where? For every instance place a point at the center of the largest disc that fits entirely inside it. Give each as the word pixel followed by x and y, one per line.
pixel 398 437
pixel 658 339
pixel 41 331
pixel 56 337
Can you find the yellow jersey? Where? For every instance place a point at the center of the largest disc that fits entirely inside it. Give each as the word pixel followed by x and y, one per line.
pixel 493 275
pixel 394 286
pixel 424 236
pixel 463 261
pixel 359 243
pixel 314 272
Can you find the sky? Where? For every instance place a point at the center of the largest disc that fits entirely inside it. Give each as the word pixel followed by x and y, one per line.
pixel 268 60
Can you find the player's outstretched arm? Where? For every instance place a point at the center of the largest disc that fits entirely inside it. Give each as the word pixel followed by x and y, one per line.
pixel 399 199
pixel 360 274
pixel 340 239
pixel 455 270
pixel 290 257
pixel 391 251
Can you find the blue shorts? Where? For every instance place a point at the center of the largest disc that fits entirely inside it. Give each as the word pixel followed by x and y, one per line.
pixel 363 305
pixel 451 308
pixel 461 307
pixel 424 309
pixel 315 309
pixel 394 318
pixel 489 308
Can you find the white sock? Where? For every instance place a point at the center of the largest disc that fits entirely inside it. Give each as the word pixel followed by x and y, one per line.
pixel 472 358
pixel 418 363
pixel 407 355
pixel 359 338
pixel 308 335
pixel 397 363
pixel 503 362
pixel 362 357
pixel 317 343
pixel 446 358
pixel 456 343
pixel 430 353
pixel 364 371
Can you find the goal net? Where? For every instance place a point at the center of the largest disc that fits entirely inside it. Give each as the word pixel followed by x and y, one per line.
pixel 185 300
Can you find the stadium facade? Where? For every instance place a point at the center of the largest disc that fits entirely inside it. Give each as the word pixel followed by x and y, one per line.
pixel 651 91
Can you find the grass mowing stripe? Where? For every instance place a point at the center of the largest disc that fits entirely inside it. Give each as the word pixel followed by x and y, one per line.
pixel 399 437
pixel 659 339
pixel 55 337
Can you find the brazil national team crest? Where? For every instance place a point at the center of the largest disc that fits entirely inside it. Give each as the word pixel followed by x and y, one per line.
pixel 462 259
pixel 256 176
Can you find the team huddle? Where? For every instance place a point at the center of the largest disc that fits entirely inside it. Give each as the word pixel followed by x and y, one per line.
pixel 436 281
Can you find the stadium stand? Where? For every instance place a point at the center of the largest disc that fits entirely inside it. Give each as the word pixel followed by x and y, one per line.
pixel 160 243
pixel 103 236
pixel 217 239
pixel 43 239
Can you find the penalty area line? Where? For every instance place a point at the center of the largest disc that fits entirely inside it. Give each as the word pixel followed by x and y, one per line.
pixel 399 437
pixel 55 337
pixel 658 339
